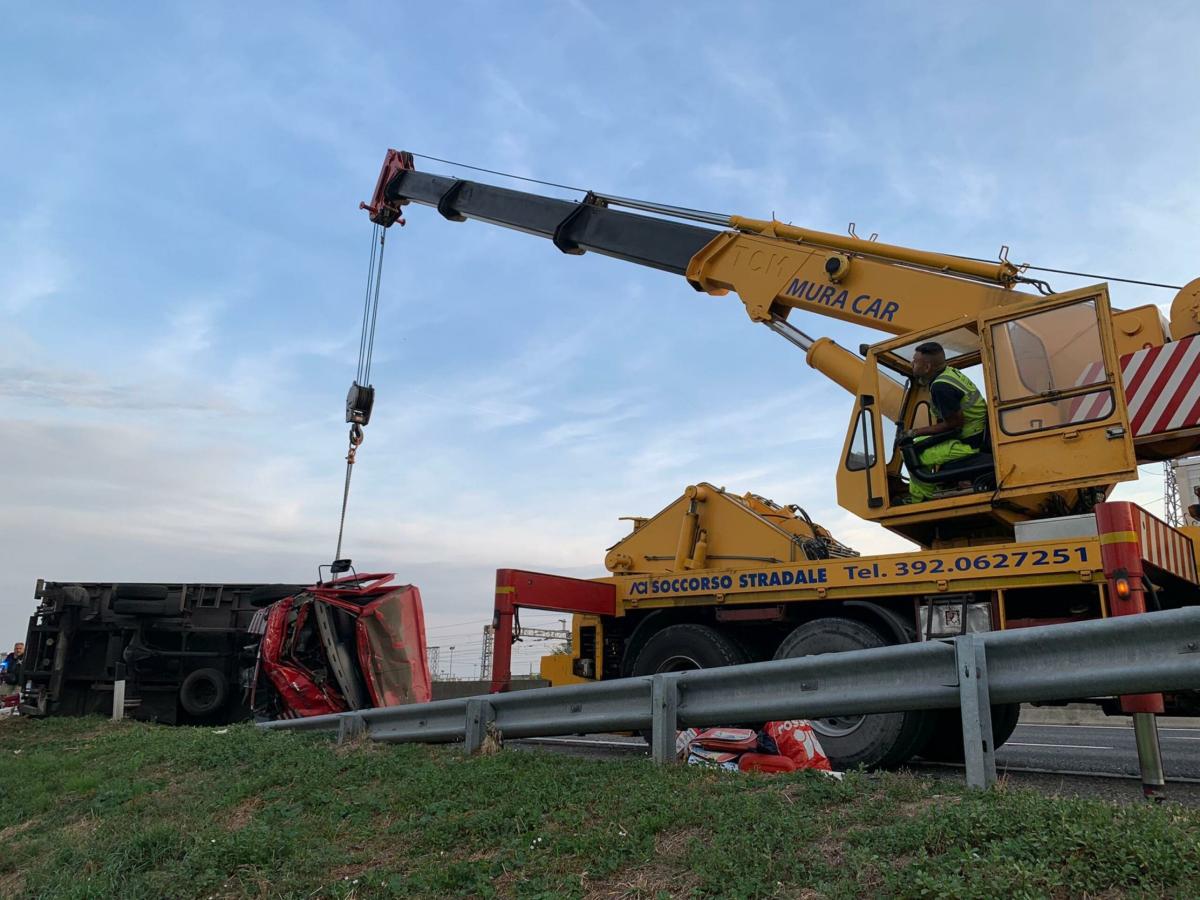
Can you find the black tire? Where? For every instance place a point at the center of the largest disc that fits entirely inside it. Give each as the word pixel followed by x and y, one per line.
pixel 126 607
pixel 203 692
pixel 141 592
pixel 266 594
pixel 876 741
pixel 945 744
pixel 681 648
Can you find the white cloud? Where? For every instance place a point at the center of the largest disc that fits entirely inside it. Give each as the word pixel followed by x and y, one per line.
pixel 33 268
pixel 587 14
pixel 47 389
pixel 188 336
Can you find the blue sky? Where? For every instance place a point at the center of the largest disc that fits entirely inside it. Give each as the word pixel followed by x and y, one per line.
pixel 182 260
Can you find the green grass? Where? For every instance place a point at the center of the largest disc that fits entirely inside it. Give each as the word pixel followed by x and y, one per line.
pixel 92 809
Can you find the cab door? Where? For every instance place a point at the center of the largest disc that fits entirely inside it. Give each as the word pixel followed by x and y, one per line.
pixel 1057 413
pixel 862 479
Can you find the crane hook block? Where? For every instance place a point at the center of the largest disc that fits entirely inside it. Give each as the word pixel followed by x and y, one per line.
pixel 359 401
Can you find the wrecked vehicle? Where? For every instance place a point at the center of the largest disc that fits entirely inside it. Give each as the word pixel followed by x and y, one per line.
pixel 354 643
pixel 222 653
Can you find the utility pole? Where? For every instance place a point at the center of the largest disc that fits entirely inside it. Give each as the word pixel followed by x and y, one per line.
pixel 431 654
pixel 485 656
pixel 1171 511
pixel 1185 481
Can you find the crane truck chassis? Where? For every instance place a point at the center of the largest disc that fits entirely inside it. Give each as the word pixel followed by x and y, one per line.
pixel 1022 533
pixel 1118 560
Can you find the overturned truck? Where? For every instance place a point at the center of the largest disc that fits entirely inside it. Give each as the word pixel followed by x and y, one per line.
pixel 221 653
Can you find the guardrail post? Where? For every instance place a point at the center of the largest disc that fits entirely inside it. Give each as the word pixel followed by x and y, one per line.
pixel 1145 734
pixel 975 705
pixel 664 717
pixel 350 727
pixel 118 705
pixel 479 714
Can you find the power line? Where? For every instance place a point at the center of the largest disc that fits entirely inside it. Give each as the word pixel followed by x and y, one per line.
pixel 478 624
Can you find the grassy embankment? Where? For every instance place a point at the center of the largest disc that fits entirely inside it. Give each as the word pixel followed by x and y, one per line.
pixel 92 809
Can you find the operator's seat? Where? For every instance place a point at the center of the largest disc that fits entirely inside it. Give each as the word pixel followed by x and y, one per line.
pixel 979 469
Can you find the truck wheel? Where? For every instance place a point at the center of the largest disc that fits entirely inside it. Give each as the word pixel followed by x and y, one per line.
pixel 141 592
pixel 203 692
pixel 945 744
pixel 879 740
pixel 681 648
pixel 142 600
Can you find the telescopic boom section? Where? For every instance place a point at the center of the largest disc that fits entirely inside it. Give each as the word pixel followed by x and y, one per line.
pixel 573 227
pixel 773 267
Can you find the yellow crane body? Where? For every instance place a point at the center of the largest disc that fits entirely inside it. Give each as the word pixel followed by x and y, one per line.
pixel 1022 532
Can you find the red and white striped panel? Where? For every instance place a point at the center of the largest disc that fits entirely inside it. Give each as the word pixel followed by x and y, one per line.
pixel 1162 387
pixel 1166 548
pixel 1089 407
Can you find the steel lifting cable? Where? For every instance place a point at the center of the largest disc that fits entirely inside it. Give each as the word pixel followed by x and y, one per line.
pixel 361 397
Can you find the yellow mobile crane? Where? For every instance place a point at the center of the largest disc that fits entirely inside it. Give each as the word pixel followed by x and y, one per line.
pixel 1019 534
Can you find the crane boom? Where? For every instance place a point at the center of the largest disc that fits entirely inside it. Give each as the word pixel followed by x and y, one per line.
pixel 573 227
pixel 772 266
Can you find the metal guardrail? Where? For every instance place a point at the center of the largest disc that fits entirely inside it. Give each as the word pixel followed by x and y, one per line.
pixel 1145 653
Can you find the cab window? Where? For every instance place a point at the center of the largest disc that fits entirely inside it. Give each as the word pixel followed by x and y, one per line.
pixel 862 445
pixel 1049 360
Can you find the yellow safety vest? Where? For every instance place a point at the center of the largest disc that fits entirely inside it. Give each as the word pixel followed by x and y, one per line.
pixel 974 407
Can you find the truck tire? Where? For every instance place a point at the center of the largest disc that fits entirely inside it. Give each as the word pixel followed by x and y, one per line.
pixel 945 744
pixel 203 692
pixel 141 600
pixel 875 741
pixel 682 648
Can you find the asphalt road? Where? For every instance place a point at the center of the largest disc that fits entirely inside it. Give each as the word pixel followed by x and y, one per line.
pixel 1098 749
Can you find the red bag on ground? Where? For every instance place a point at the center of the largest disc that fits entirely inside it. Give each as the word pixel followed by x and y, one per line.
pixel 797 741
pixel 733 740
pixel 765 762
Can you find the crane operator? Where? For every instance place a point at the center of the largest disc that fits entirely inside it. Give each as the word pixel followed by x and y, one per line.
pixel 961 411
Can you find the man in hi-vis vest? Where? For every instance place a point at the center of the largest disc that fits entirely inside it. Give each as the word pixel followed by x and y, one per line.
pixel 958 406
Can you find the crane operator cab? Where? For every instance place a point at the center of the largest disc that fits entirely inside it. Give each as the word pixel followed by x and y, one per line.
pixel 1040 428
pixel 953 450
